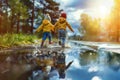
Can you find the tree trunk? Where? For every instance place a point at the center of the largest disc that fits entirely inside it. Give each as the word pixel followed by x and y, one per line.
pixel 18 23
pixel 32 21
pixel 0 24
pixel 11 28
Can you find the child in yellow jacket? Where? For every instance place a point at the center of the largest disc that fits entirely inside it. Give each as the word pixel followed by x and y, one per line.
pixel 60 27
pixel 46 27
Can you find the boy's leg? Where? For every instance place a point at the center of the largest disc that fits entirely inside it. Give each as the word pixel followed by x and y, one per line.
pixel 63 38
pixel 50 38
pixel 43 39
pixel 42 43
pixel 63 42
pixel 59 42
pixel 59 36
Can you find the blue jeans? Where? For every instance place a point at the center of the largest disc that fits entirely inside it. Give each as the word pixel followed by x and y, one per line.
pixel 45 35
pixel 62 36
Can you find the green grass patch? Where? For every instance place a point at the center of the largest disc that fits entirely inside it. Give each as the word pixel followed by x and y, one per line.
pixel 9 40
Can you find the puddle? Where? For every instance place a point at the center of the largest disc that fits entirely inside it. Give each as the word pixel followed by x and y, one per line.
pixel 88 64
pixel 93 65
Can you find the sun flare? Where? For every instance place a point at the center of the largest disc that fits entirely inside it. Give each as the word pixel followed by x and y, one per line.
pixel 103 8
pixel 103 11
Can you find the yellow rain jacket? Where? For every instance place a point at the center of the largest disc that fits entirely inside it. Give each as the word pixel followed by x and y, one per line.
pixel 46 26
pixel 62 24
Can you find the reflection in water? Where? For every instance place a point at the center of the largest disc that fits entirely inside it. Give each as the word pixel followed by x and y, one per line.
pixel 96 78
pixel 93 69
pixel 93 65
pixel 102 57
pixel 114 61
pixel 85 64
pixel 88 57
pixel 14 64
pixel 34 65
pixel 110 59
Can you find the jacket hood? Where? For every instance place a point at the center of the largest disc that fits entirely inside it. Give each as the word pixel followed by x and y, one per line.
pixel 61 19
pixel 45 22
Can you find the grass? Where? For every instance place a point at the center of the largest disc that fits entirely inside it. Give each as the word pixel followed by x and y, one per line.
pixel 9 40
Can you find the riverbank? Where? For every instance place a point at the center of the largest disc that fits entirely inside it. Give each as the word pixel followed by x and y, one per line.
pixel 107 46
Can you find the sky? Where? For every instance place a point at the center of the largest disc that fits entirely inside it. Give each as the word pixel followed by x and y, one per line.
pixel 74 8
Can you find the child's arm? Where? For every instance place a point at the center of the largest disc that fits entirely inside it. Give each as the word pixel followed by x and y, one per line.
pixel 69 27
pixel 39 28
pixel 52 27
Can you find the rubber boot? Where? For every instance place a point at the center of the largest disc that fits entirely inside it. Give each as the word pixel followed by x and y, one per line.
pixel 50 42
pixel 59 42
pixel 63 45
pixel 42 43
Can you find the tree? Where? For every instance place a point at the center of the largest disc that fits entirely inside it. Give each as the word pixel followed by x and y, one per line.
pixel 18 12
pixel 25 13
pixel 4 19
pixel 52 8
pixel 36 13
pixel 114 22
pixel 33 15
pixel 91 27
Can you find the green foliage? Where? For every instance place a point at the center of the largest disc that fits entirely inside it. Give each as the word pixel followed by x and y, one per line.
pixel 90 26
pixel 8 40
pixel 113 23
pixel 52 8
pixel 19 9
pixel 15 14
